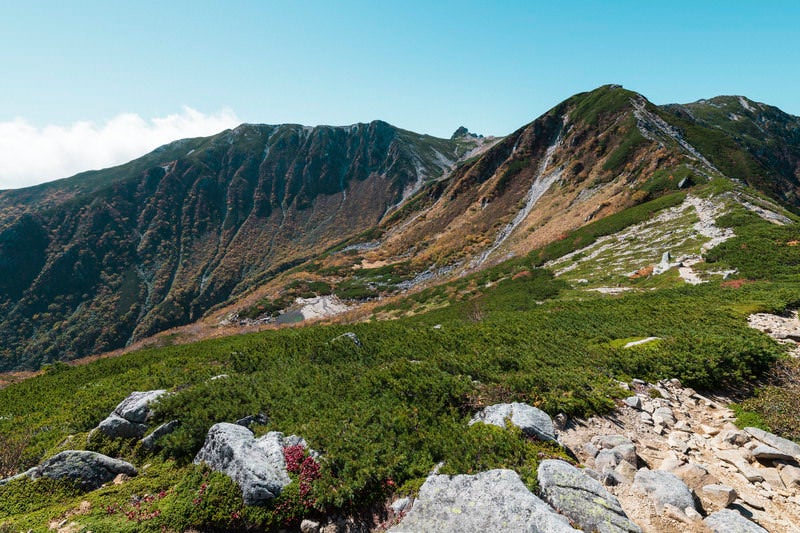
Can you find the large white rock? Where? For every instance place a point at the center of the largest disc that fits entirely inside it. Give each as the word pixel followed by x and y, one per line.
pixel 532 421
pixel 496 500
pixel 258 466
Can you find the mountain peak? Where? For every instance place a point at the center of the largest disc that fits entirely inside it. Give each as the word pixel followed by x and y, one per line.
pixel 462 131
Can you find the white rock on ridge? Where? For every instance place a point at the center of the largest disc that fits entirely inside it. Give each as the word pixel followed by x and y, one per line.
pixel 532 421
pixel 495 500
pixel 258 466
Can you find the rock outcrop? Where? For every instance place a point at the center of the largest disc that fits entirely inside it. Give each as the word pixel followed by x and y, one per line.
pixel 532 421
pixel 495 500
pixel 258 466
pixel 129 418
pixel 582 499
pixel 89 470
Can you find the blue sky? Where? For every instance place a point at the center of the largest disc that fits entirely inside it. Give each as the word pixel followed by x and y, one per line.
pixel 425 66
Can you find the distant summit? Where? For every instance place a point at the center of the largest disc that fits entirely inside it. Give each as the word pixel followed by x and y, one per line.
pixel 464 132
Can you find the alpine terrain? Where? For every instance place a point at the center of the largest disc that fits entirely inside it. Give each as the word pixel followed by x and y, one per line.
pixel 589 324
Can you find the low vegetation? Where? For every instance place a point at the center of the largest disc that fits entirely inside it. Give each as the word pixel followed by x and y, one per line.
pixel 383 413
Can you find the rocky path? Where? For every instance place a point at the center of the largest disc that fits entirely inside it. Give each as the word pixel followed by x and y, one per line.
pixel 675 430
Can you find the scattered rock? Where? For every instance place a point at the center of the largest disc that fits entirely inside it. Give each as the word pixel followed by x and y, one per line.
pixel 663 488
pixel 532 421
pixel 791 476
pixel 495 500
pixel 119 428
pixel 762 452
pixel 716 497
pixel 735 458
pixel 89 469
pixel 582 499
pixel 772 477
pixel 129 418
pixel 727 521
pixel 792 449
pixel 663 416
pixel 258 466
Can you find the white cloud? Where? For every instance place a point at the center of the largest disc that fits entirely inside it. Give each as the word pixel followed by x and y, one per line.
pixel 31 155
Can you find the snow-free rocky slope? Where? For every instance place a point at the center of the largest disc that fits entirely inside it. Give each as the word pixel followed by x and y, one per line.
pixel 546 288
pixel 102 259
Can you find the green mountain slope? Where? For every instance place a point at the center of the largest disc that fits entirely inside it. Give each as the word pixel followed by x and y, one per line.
pixel 385 411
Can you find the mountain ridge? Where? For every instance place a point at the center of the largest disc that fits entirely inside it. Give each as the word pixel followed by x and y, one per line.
pixel 198 223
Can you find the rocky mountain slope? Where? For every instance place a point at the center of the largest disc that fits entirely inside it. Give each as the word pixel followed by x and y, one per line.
pixel 561 280
pixel 92 262
pixel 241 221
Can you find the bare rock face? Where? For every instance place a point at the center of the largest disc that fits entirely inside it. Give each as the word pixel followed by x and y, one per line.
pixel 532 421
pixel 89 469
pixel 129 417
pixel 582 499
pixel 258 466
pixel 495 500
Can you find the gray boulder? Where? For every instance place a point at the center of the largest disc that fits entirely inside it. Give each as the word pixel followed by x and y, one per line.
pixel 256 465
pixel 663 488
pixel 664 416
pixel 532 421
pixel 613 450
pixel 119 428
pixel 89 469
pixel 728 521
pixel 582 499
pixel 786 446
pixel 768 453
pixel 495 500
pixel 136 407
pixel 129 418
